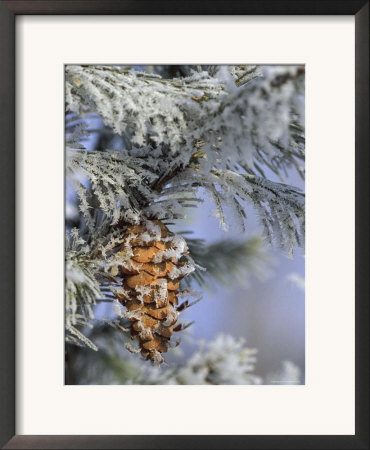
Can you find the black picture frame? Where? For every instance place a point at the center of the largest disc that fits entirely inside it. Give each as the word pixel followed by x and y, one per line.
pixel 8 12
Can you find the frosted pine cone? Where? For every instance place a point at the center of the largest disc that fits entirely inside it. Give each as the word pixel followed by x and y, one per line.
pixel 151 279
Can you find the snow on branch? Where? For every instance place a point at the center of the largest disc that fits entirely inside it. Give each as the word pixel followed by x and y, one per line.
pixel 81 289
pixel 119 182
pixel 253 117
pixel 139 105
pixel 280 207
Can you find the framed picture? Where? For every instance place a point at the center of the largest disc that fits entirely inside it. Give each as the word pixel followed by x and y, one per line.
pixel 159 285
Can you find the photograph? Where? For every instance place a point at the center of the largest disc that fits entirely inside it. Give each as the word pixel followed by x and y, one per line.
pixel 184 224
pixel 163 145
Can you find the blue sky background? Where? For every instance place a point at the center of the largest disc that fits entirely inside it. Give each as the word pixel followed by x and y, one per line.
pixel 269 313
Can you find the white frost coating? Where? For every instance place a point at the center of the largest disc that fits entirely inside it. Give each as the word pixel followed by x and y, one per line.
pixel 117 308
pixel 161 292
pixel 133 314
pixel 178 248
pixel 241 119
pixel 209 365
pixel 227 361
pixel 288 373
pixel 142 291
pixel 120 291
pixel 144 237
pixel 157 357
pixel 235 119
pixel 181 271
pixel 171 318
pixel 81 291
pixel 74 275
pixel 165 255
pixel 131 348
pixel 145 334
pixel 153 229
pixel 179 243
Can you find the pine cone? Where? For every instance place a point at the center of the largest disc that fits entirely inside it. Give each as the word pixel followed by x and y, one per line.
pixel 151 285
